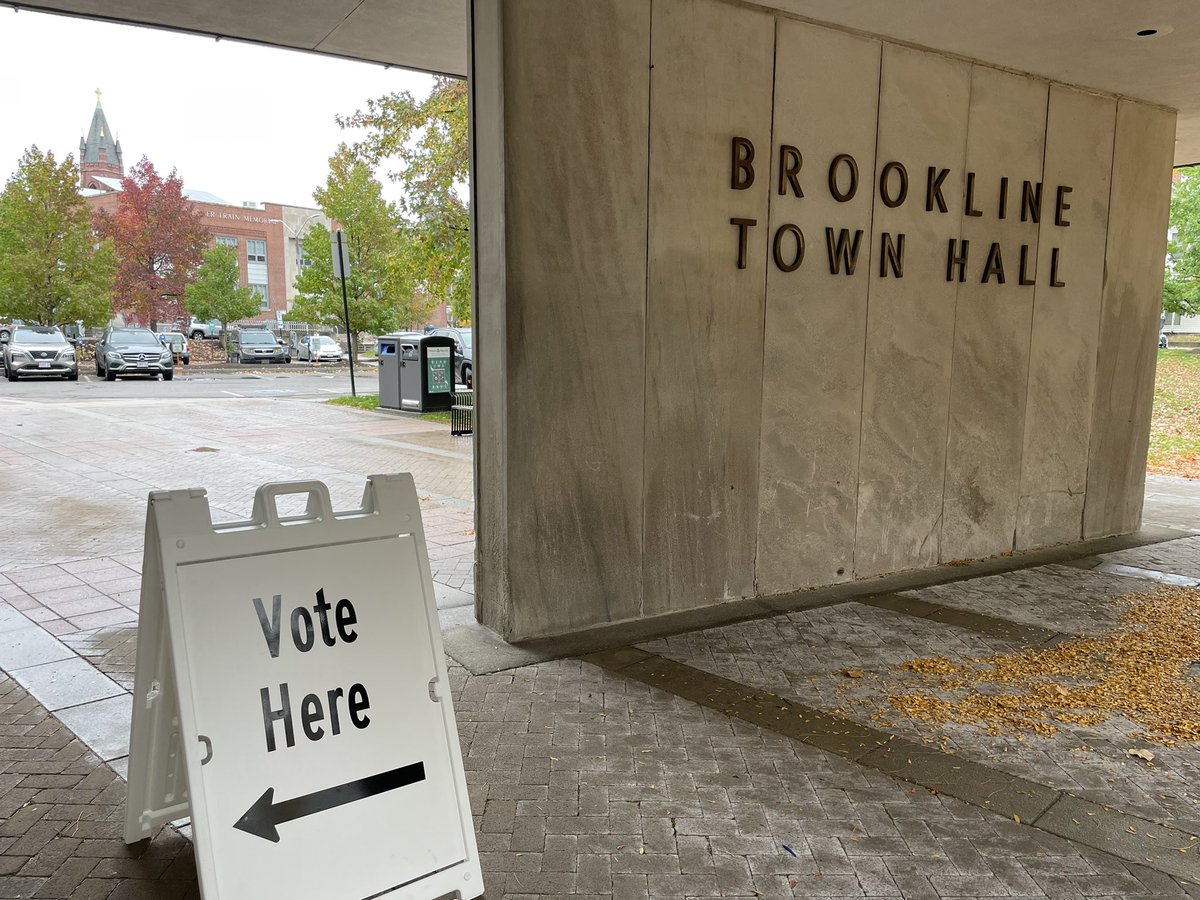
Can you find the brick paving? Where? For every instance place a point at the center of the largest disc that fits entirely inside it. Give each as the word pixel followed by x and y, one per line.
pixel 62 814
pixel 589 785
pixel 806 655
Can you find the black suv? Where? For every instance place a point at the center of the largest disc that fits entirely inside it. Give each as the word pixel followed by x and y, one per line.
pixel 464 363
pixel 251 345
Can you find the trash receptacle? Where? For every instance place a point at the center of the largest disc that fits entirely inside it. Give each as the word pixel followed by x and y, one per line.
pixel 388 353
pixel 419 369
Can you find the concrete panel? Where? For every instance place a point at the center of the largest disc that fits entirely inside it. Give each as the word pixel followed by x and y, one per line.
pixel 1066 321
pixel 1006 133
pixel 576 87
pixel 1141 196
pixel 826 103
pixel 711 82
pixel 910 322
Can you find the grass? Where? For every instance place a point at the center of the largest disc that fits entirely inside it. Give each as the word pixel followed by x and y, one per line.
pixel 371 401
pixel 1175 427
pixel 362 401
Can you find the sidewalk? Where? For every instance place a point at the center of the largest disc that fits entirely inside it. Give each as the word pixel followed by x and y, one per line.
pixel 724 762
pixel 760 759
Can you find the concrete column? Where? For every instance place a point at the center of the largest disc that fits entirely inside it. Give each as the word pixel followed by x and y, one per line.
pixel 677 408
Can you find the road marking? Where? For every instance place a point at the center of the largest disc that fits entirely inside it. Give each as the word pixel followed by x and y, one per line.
pixel 328 391
pixel 232 393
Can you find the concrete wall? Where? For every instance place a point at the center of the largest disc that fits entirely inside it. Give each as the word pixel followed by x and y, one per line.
pixel 669 419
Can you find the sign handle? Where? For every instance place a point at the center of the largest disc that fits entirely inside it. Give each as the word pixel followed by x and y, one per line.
pixel 319 507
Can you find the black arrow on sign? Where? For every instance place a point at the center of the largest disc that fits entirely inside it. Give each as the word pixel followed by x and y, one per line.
pixel 261 818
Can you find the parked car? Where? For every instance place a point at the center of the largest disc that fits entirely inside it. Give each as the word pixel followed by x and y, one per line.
pixel 464 364
pixel 197 329
pixel 178 345
pixel 39 350
pixel 252 345
pixel 74 332
pixel 319 348
pixel 132 351
pixel 6 329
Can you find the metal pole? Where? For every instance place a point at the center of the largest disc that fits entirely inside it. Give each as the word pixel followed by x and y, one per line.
pixel 346 309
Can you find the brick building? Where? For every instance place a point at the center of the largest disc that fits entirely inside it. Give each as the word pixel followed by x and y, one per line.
pixel 267 237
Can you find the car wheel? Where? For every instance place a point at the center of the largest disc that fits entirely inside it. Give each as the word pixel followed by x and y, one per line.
pixel 168 375
pixel 99 371
pixel 74 376
pixel 466 376
pixel 197 335
pixel 109 374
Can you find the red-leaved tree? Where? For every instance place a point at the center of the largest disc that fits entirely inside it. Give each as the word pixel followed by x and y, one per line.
pixel 159 242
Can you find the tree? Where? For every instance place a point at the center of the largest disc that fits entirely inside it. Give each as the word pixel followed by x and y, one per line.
pixel 216 292
pixel 1181 284
pixel 379 288
pixel 52 269
pixel 159 241
pixel 428 139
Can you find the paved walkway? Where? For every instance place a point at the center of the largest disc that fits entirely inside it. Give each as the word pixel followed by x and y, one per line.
pixel 740 761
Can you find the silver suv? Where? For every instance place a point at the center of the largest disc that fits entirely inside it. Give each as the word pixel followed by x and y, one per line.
pixel 132 351
pixel 39 350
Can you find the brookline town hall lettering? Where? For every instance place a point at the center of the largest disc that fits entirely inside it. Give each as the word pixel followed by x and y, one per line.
pixel 842 246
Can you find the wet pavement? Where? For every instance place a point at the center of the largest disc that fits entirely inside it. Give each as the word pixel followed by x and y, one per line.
pixel 737 761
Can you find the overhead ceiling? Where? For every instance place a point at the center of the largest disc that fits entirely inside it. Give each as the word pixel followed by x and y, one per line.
pixel 429 35
pixel 1090 43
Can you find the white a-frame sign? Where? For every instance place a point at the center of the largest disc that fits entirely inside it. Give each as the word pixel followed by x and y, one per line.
pixel 291 697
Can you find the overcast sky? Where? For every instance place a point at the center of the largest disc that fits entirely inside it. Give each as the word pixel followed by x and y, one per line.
pixel 240 121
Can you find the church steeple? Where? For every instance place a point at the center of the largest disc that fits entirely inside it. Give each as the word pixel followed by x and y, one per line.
pixel 99 152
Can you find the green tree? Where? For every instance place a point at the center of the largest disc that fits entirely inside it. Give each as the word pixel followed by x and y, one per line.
pixel 379 288
pixel 52 269
pixel 1181 284
pixel 427 142
pixel 217 292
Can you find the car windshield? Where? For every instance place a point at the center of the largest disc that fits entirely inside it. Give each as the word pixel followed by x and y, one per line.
pixel 29 336
pixel 175 340
pixel 133 337
pixel 257 337
pixel 323 342
pixel 466 337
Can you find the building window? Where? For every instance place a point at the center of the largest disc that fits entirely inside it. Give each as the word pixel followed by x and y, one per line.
pixel 230 242
pixel 256 251
pixel 261 289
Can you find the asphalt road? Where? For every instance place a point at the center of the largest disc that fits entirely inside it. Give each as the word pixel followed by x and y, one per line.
pixel 193 384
